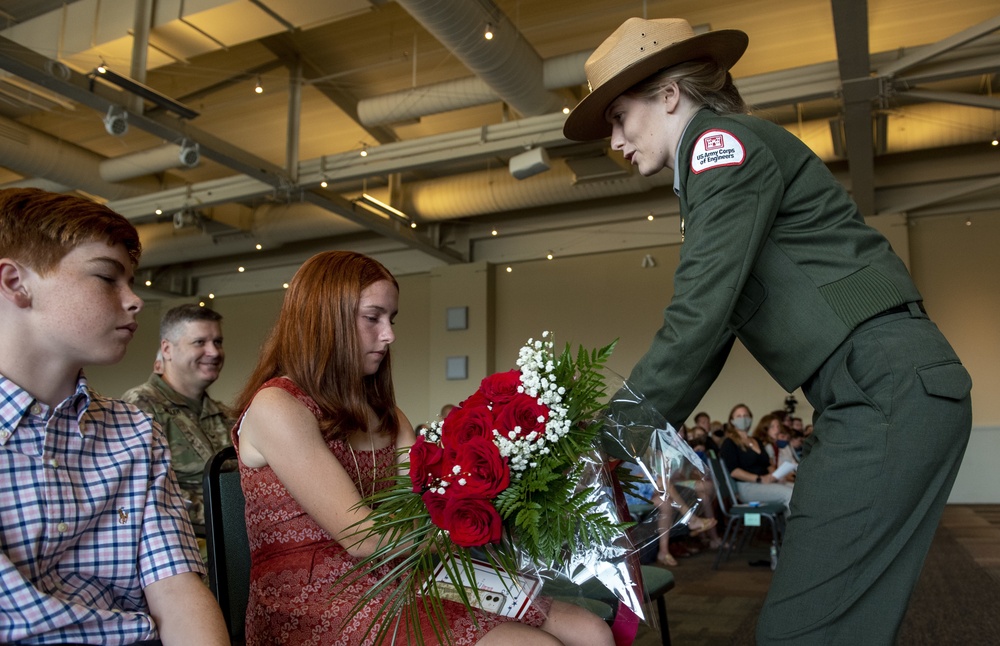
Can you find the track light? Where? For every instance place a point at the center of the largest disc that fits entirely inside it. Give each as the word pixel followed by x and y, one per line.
pixel 384 210
pixel 116 121
pixel 137 88
pixel 257 88
pixel 190 154
pixel 488 34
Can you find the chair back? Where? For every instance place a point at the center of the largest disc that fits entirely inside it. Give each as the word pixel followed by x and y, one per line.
pixel 724 488
pixel 226 536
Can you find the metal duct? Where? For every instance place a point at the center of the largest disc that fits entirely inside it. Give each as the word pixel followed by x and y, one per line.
pixel 495 190
pixel 32 153
pixel 434 200
pixel 148 162
pixel 507 63
pixel 272 226
pixel 413 103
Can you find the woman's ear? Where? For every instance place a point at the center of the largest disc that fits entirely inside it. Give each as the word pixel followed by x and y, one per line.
pixel 672 96
pixel 12 283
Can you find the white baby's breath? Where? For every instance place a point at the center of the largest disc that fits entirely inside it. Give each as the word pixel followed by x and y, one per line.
pixel 536 362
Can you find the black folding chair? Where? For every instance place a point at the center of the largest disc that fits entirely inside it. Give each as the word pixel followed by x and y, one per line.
pixel 226 536
pixel 738 531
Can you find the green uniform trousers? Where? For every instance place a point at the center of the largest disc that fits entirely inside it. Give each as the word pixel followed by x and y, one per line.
pixel 892 419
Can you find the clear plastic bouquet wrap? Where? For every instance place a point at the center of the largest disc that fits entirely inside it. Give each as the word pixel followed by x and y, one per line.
pixel 522 487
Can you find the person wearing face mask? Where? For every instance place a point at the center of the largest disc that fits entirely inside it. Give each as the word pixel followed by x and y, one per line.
pixel 749 464
pixel 775 252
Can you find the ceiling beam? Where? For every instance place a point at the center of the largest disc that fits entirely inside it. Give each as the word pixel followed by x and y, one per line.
pixel 283 46
pixel 940 47
pixel 958 98
pixel 55 76
pixel 850 22
pixel 390 229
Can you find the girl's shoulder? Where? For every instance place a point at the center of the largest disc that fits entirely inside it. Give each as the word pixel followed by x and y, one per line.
pixel 291 389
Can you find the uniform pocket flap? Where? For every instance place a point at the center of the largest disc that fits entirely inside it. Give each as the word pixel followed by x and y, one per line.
pixel 950 380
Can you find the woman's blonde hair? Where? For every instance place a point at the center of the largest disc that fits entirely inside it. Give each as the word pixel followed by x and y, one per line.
pixel 702 80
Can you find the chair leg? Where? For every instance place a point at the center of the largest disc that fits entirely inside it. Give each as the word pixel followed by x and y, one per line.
pixel 728 538
pixel 661 611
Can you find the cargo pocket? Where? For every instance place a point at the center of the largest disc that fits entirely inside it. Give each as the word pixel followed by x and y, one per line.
pixel 949 380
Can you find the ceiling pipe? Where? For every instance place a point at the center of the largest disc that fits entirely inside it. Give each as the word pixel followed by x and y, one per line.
pixel 148 162
pixel 557 73
pixel 271 226
pixel 33 153
pixel 495 191
pixel 507 63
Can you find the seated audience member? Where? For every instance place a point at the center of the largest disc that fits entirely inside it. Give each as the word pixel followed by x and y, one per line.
pixel 718 432
pixel 748 462
pixel 766 434
pixel 703 421
pixel 319 434
pixel 796 442
pixel 672 509
pixel 96 546
pixel 702 437
pixel 196 425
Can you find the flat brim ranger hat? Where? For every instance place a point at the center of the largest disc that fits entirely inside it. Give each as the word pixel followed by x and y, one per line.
pixel 636 50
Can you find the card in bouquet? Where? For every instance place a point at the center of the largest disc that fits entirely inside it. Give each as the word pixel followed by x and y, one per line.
pixel 504 594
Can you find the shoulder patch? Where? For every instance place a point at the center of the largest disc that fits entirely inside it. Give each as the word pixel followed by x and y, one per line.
pixel 716 148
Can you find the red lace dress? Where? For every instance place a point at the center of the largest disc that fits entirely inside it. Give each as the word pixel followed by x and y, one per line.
pixel 295 563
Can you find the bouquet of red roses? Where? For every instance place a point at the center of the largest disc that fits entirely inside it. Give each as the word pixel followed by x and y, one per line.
pixel 517 479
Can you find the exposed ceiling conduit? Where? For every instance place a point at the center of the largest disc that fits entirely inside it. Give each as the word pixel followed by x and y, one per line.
pixel 148 162
pixel 435 200
pixel 32 153
pixel 557 73
pixel 493 191
pixel 507 63
pixel 272 225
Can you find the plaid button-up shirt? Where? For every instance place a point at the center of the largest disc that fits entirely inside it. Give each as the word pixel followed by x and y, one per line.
pixel 90 514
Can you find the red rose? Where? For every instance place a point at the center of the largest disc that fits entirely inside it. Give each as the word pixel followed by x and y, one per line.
pixel 474 400
pixel 425 464
pixel 523 411
pixel 472 522
pixel 482 471
pixel 435 504
pixel 465 422
pixel 501 387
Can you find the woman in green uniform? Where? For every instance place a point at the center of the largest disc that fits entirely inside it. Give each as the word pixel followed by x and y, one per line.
pixel 775 253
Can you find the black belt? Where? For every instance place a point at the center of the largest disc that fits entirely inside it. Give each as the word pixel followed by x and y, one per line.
pixel 899 309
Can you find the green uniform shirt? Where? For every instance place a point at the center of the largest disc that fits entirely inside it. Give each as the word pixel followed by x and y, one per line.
pixel 196 431
pixel 775 253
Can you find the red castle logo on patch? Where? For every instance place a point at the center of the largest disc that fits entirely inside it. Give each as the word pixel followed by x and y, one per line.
pixel 713 142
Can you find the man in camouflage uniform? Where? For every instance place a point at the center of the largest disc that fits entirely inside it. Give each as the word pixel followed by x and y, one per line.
pixel 196 425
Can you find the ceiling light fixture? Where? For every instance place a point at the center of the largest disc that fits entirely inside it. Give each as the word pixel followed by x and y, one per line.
pixel 259 89
pixel 380 208
pixel 488 34
pixel 116 121
pixel 137 88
